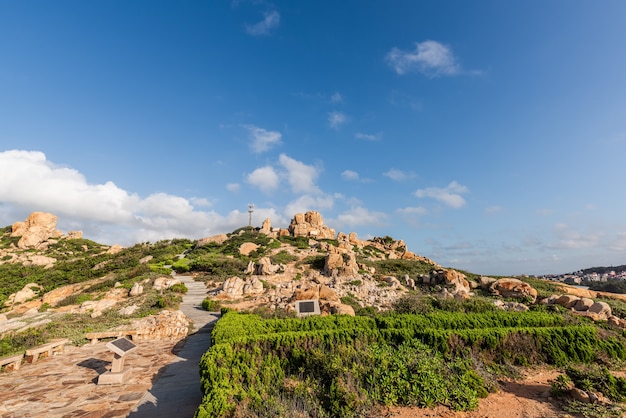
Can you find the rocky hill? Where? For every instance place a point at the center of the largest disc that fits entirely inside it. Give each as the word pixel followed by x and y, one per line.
pixel 268 268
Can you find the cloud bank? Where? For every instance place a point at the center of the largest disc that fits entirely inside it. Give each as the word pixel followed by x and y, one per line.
pixel 105 212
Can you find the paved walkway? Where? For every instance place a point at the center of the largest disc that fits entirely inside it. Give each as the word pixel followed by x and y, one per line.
pixel 176 393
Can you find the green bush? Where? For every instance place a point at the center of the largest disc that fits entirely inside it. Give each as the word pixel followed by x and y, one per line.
pixel 211 305
pixel 179 288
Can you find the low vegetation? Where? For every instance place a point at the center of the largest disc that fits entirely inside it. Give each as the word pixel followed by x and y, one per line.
pixel 349 366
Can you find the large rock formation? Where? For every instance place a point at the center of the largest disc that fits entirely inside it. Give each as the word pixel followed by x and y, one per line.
pixel 36 230
pixel 310 224
pixel 514 288
pixel 452 279
pixel 217 239
pixel 166 324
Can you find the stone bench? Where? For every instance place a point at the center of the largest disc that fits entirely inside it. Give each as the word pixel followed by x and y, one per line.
pixel 96 336
pixel 12 361
pixel 54 346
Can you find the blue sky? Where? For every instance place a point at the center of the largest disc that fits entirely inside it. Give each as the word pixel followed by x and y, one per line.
pixel 488 135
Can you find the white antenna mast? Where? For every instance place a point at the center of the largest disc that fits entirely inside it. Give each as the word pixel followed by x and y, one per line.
pixel 250 210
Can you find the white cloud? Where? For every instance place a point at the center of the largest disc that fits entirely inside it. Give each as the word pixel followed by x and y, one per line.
pixel 336 98
pixel 265 178
pixel 301 177
pixel 104 212
pixel 359 215
pixel 262 140
pixel 450 195
pixel 270 21
pixel 430 58
pixel 368 137
pixel 308 202
pixel 336 119
pixel 399 175
pixel 411 211
pixel 350 175
pixel 233 187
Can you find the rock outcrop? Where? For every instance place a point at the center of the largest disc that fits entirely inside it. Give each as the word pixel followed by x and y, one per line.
pixel 234 288
pixel 29 291
pixel 310 224
pixel 514 288
pixel 161 283
pixel 36 230
pixel 217 239
pixel 164 325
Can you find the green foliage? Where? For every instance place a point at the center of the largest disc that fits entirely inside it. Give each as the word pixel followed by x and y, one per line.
pixel 179 288
pixel 399 267
pixel 596 410
pixel 598 379
pixel 545 288
pixel 210 305
pixel 283 257
pixel 75 299
pixel 301 243
pixel 316 262
pixel 343 366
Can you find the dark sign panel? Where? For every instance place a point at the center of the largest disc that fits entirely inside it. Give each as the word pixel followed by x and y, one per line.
pixel 307 306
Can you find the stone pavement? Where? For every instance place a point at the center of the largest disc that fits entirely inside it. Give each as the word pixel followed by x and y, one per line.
pixel 65 385
pixel 176 393
pixel 165 380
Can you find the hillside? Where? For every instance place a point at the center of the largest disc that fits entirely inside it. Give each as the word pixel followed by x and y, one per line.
pixel 373 292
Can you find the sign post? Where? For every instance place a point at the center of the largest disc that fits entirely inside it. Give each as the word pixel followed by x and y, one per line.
pixel 118 373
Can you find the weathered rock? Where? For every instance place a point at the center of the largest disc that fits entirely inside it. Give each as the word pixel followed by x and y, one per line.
pixel 341 261
pixel 567 301
pixel 36 230
pixel 307 292
pixel 264 267
pixel 452 279
pixel 115 248
pixel 617 322
pixel 253 286
pixel 601 308
pixel 510 306
pixel 327 293
pixel 247 247
pixel 74 234
pixel 3 317
pixel 164 325
pixel 217 239
pixel 129 310
pixel 579 395
pixel 136 290
pixel 266 227
pixel 310 224
pixel 583 304
pixel 161 283
pixel 145 259
pixel 233 287
pixel 55 296
pixel 29 291
pixel 486 282
pixel 40 260
pixel 514 288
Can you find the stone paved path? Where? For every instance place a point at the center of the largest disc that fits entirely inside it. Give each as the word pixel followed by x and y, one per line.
pixel 176 392
pixel 165 380
pixel 65 385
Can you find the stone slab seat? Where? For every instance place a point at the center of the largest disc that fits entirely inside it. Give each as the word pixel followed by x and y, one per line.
pixel 12 361
pixel 95 336
pixel 54 346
